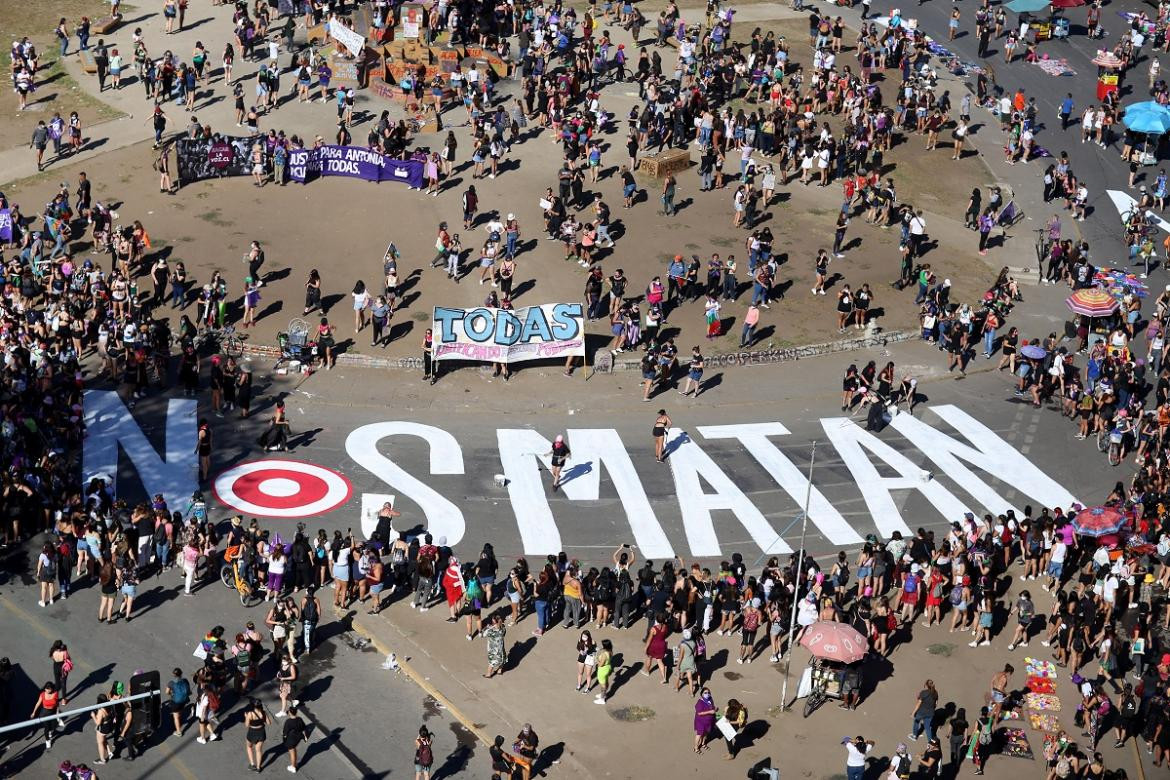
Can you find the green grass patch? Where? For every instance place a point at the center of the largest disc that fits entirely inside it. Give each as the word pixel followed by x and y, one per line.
pixel 942 649
pixel 215 217
pixel 632 714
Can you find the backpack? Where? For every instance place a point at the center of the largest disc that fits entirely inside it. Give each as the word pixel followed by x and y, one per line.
pixel 911 584
pixel 180 691
pixel 160 533
pixel 398 556
pixel 212 700
pixel 937 591
pixel 309 614
pixel 1129 707
pixel 243 661
pixel 474 590
pixel 956 595
pixel 423 756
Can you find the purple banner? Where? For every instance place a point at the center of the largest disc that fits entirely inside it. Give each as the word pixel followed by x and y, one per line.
pixel 357 162
pixel 5 225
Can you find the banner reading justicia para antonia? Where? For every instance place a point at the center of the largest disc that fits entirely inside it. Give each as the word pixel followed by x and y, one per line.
pixel 232 156
pixel 357 162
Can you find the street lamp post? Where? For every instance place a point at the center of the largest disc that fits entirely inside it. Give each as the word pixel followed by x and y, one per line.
pixel 796 584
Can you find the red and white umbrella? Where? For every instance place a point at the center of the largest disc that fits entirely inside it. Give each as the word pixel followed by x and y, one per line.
pixel 1107 59
pixel 834 641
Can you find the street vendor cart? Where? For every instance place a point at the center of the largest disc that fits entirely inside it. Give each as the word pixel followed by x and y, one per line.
pixel 835 668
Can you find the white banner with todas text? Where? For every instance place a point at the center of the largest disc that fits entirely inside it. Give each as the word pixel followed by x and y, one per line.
pixel 551 330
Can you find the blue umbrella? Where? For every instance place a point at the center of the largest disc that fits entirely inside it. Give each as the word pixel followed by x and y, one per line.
pixel 1147 117
pixel 1028 6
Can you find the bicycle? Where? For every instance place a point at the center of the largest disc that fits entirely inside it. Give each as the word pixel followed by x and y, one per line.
pixel 229 575
pixel 227 341
pixel 1110 442
pixel 232 343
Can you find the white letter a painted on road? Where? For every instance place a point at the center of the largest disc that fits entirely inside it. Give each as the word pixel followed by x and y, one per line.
pixel 691 467
pixel 851 442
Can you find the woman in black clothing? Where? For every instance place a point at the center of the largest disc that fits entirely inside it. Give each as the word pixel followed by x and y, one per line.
pixel 293 736
pixel 255 719
pixel 244 390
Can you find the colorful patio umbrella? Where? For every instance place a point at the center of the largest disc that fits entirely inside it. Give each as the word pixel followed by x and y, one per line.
pixel 1107 59
pixel 1092 302
pixel 1147 117
pixel 834 641
pixel 1098 521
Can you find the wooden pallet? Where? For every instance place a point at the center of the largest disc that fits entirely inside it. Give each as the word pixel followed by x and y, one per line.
pixel 87 62
pixel 669 161
pixel 106 25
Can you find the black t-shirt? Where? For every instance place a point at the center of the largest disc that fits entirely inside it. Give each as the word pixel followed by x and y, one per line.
pixel 294 731
pixel 499 759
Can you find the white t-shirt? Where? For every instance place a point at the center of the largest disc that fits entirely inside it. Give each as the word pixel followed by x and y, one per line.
pixel 1059 551
pixel 1109 589
pixel 856 757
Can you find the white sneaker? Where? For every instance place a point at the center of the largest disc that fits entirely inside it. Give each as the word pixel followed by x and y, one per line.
pixel 1011 647
pixel 1044 643
pixel 1023 644
pixel 296 703
pixel 40 603
pixel 213 737
pixel 774 658
pixel 985 643
pixel 201 740
pixel 972 644
pixel 291 768
pixel 739 660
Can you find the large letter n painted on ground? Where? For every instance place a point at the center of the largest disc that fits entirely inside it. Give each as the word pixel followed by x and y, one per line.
pixel 110 425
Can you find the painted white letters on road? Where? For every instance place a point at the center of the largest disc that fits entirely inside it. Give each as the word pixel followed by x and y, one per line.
pixel 754 438
pixel 443 517
pixel 990 454
pixel 691 467
pixel 110 425
pixel 851 442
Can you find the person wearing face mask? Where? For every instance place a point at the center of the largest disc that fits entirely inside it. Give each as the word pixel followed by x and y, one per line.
pixel 705 712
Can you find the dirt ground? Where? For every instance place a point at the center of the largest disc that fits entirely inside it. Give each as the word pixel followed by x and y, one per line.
pixel 342 226
pixel 55 90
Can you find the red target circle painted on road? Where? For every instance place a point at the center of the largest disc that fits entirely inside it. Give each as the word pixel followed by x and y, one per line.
pixel 282 488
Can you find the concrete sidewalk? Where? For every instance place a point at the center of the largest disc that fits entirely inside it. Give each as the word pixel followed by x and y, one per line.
pixel 646 728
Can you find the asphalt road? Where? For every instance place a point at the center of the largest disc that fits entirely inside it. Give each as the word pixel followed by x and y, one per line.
pixel 367 715
pixel 1099 168
pixel 363 717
